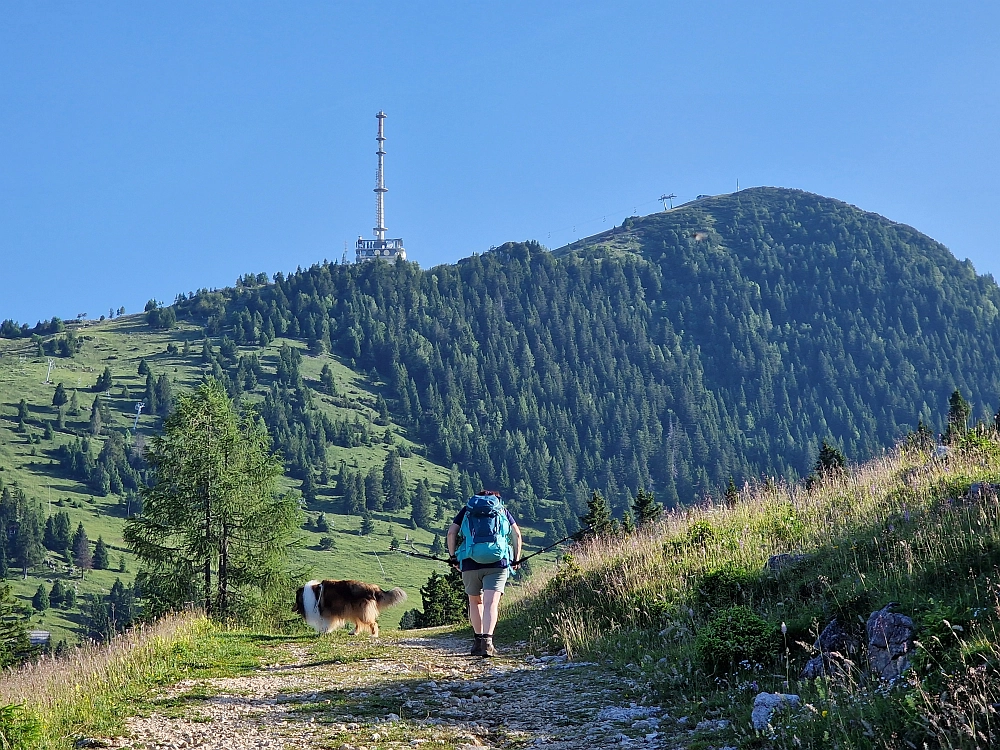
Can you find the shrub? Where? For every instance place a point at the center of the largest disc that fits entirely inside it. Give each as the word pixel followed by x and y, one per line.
pixel 701 533
pixel 326 543
pixel 724 587
pixel 19 728
pixel 734 635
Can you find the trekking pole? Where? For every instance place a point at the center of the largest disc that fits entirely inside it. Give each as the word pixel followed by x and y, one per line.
pixel 422 555
pixel 551 546
pixel 414 553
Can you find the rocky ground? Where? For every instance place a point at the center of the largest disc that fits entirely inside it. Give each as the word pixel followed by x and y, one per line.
pixel 413 692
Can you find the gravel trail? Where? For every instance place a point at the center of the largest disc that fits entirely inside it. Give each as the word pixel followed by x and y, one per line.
pixel 417 692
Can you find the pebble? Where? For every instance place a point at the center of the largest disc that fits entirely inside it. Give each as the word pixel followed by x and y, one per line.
pixel 470 704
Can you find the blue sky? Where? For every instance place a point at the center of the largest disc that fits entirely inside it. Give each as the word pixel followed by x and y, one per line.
pixel 148 149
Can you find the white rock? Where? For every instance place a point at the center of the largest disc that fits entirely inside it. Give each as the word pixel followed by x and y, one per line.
pixel 766 705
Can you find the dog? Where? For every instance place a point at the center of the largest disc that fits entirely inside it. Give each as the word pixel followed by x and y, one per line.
pixel 327 605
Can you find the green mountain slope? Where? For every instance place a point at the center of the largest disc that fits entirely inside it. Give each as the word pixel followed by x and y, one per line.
pixel 30 461
pixel 724 338
pixel 728 337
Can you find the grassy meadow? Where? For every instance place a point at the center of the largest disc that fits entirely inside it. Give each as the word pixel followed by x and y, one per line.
pixel 28 459
pixel 690 607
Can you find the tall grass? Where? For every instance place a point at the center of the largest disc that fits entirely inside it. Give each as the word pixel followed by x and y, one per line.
pixel 901 528
pixel 88 692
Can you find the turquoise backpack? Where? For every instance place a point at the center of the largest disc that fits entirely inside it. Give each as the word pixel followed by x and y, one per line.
pixel 485 531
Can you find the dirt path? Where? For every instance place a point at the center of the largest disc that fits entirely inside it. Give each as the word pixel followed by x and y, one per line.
pixel 412 692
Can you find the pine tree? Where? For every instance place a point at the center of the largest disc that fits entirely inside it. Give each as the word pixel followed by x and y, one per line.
pixel 732 495
pixel 645 507
pixel 40 601
pixel 100 555
pixel 321 523
pixel 213 524
pixel 59 397
pixel 14 643
pixel 103 381
pixel 959 411
pixel 445 601
pixel 422 506
pixel 58 593
pixel 367 524
pixel 95 417
pixel 393 483
pixel 829 461
pixel 437 546
pixel 597 521
pixel 74 404
pixel 82 557
pixel 164 396
pixel 327 382
pixel 143 367
pixel 309 487
pixel 374 499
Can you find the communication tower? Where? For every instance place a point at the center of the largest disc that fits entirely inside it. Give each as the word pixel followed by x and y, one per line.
pixel 380 247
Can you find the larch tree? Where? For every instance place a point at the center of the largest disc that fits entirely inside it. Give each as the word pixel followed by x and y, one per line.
pixel 213 527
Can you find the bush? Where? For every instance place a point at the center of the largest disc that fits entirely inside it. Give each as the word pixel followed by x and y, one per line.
pixel 724 587
pixel 19 729
pixel 733 636
pixel 326 543
pixel 701 533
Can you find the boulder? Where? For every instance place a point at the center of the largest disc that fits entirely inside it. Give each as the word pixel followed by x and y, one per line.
pixel 766 705
pixel 778 563
pixel 834 644
pixel 890 643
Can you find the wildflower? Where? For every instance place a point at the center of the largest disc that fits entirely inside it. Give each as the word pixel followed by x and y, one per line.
pixel 784 629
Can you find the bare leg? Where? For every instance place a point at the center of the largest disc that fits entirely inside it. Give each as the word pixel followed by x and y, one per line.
pixel 476 613
pixel 490 608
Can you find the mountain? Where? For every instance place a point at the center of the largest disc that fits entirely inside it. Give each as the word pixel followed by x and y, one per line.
pixel 725 338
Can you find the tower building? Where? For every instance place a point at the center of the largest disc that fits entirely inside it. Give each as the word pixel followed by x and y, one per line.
pixel 380 247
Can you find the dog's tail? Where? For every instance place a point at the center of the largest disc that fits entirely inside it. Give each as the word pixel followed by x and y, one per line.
pixel 385 599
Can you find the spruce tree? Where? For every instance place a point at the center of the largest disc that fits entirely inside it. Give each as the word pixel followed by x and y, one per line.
pixel 57 594
pixel 732 495
pixel 374 499
pixel 82 557
pixel 367 524
pixel 59 397
pixel 14 643
pixel 959 411
pixel 103 381
pixel 327 382
pixel 597 521
pixel 100 555
pixel 95 417
pixel 74 404
pixel 422 505
pixel 645 508
pixel 40 601
pixel 393 483
pixel 309 487
pixel 437 546
pixel 829 461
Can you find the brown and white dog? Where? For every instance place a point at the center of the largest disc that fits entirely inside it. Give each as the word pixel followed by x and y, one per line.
pixel 327 605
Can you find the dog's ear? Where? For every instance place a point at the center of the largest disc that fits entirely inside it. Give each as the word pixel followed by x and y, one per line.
pixel 298 609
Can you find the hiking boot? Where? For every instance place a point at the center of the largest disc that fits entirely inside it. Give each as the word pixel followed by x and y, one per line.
pixel 478 648
pixel 488 648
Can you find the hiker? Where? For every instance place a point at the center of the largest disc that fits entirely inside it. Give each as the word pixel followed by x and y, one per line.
pixel 485 558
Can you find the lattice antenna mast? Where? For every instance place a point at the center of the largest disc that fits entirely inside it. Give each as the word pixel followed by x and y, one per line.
pixel 380 189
